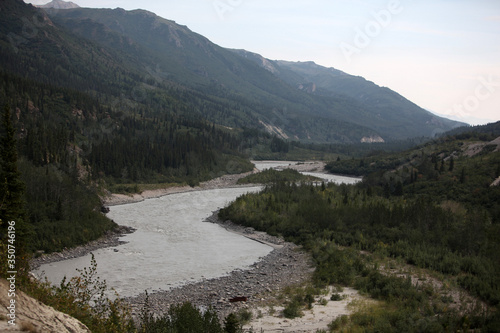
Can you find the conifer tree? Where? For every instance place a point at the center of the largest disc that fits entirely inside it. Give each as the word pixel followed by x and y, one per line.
pixel 231 324
pixel 452 164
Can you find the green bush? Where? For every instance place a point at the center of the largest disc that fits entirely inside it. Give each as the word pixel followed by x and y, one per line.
pixel 181 318
pixel 336 297
pixel 84 298
pixel 338 323
pixel 293 310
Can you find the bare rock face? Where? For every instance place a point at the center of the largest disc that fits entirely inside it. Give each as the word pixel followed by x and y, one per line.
pixel 372 139
pixel 33 316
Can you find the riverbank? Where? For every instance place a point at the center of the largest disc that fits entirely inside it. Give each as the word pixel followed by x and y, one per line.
pixel 110 239
pixel 286 265
pixel 226 181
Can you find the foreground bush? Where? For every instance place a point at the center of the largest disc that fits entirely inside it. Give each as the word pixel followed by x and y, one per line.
pixel 84 298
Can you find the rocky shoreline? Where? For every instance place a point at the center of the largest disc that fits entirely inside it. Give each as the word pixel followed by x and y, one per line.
pixel 110 239
pixel 286 265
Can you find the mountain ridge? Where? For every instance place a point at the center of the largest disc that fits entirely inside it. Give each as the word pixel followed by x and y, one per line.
pixel 327 81
pixel 156 53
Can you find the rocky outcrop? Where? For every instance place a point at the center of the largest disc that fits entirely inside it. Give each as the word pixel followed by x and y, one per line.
pixel 496 182
pixel 372 139
pixel 33 316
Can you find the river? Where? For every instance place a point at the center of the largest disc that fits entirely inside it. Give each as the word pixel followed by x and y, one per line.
pixel 172 245
pixel 327 177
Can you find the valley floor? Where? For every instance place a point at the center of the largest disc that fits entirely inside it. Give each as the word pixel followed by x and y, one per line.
pixel 261 285
pixel 226 181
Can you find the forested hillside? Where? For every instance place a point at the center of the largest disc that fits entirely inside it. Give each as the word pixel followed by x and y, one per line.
pixel 62 151
pixel 433 207
pixel 173 53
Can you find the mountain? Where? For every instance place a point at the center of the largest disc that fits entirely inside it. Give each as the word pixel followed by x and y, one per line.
pixel 59 4
pixel 383 110
pixel 169 52
pixel 162 49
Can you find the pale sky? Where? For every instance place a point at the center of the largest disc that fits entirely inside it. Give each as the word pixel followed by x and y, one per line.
pixel 443 55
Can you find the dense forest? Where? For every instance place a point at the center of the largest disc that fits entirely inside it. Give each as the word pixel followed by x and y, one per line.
pixel 437 212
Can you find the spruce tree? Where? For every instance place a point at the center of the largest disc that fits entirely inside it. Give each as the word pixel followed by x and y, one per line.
pixel 398 191
pixel 452 164
pixel 462 176
pixel 232 324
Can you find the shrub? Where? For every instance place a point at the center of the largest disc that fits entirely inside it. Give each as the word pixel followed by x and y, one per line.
pixel 232 324
pixel 323 302
pixel 292 310
pixel 338 322
pixel 185 318
pixel 84 298
pixel 244 316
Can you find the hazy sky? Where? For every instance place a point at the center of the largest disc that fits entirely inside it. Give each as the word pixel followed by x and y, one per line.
pixel 444 55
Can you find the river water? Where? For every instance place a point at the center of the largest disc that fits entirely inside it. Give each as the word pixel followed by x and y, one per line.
pixel 172 245
pixel 327 177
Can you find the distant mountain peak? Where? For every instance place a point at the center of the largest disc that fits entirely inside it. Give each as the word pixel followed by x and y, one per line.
pixel 60 4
